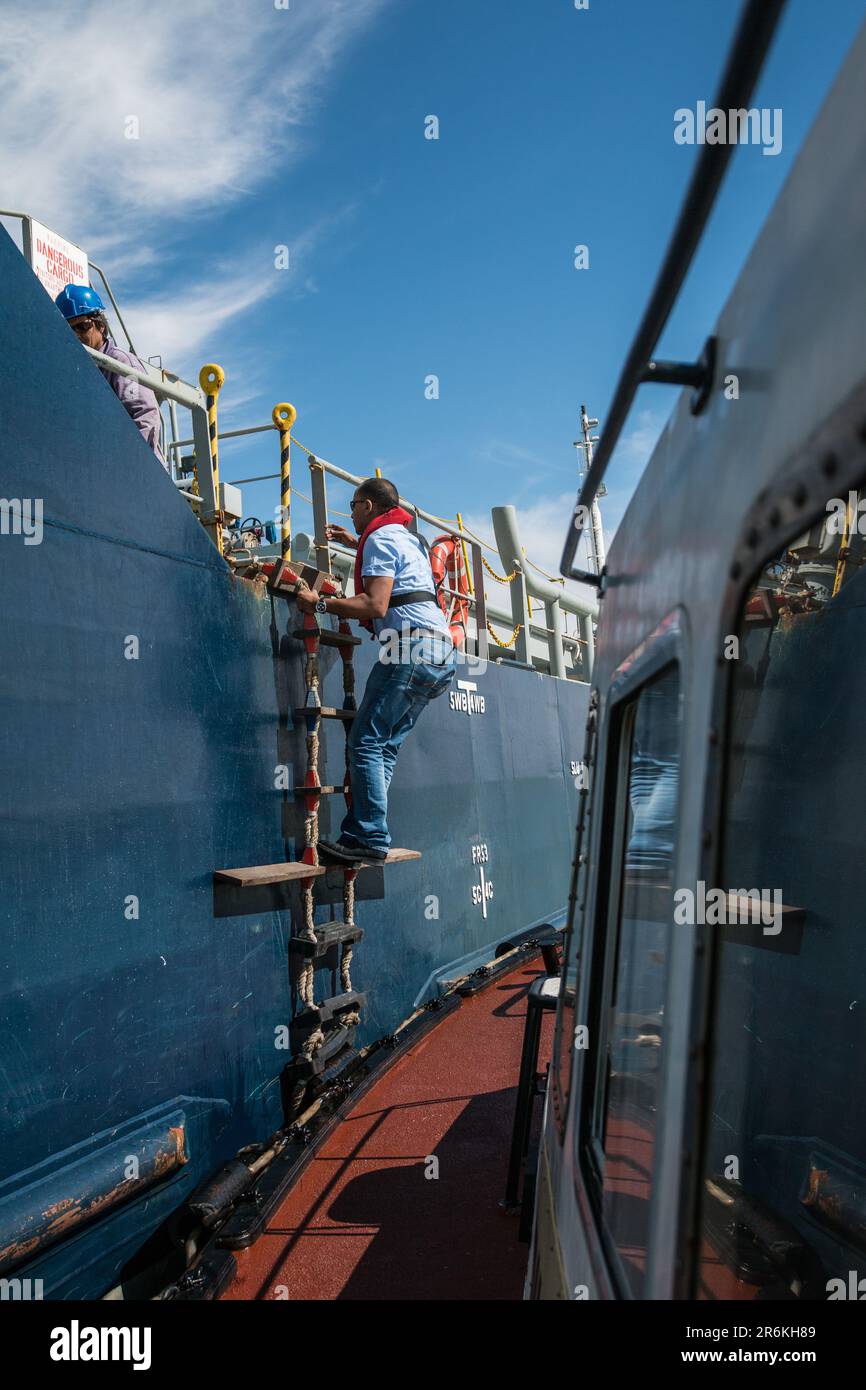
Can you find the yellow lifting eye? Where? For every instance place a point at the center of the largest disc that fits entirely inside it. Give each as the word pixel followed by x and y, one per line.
pixel 284 415
pixel 211 378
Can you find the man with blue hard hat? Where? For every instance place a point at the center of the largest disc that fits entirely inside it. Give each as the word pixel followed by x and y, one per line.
pixel 84 311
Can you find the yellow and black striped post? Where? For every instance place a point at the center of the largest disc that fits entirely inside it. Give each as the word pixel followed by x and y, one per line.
pixel 466 565
pixel 211 379
pixel 284 416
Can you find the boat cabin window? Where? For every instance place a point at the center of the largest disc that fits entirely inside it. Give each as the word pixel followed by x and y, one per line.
pixel 783 1183
pixel 631 979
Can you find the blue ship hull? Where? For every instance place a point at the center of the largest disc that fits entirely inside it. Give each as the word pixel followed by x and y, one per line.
pixel 141 1004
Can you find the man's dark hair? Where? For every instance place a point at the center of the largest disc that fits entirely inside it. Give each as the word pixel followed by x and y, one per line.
pixel 102 324
pixel 379 491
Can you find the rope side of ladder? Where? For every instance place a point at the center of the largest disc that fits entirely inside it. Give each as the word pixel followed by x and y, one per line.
pixel 313 703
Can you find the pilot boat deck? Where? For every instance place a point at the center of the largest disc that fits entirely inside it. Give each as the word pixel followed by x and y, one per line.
pixel 364 1221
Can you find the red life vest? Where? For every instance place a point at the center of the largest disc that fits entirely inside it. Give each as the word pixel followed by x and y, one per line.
pixel 395 516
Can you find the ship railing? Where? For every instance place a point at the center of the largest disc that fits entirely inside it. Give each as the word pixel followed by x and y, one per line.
pixel 477 641
pixel 529 643
pixel 571 643
pixel 208 496
pixel 522 584
pixel 166 386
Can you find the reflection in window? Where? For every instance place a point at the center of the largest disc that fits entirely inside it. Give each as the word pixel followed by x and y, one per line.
pixel 784 1171
pixel 565 1023
pixel 563 1042
pixel 633 1045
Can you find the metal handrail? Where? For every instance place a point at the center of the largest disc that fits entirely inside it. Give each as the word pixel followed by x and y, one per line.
pixel 181 393
pixel 354 479
pixel 167 387
pixel 114 305
pixel 745 60
pixel 236 434
pixel 155 379
pixel 475 600
pixel 555 601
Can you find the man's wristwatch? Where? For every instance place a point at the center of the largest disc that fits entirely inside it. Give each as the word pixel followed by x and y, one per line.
pixel 321 606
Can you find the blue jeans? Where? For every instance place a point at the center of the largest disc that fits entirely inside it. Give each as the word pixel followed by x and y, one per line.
pixel 395 694
pixel 653 794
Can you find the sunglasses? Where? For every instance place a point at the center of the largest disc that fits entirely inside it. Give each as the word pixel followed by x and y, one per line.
pixel 82 328
pixel 356 502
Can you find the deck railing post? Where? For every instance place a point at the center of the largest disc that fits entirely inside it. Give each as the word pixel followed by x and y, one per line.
pixel 481 639
pixel 283 416
pixel 211 379
pixel 588 649
pixel 203 468
pixel 319 495
pixel 553 619
pixel 172 451
pixel 520 618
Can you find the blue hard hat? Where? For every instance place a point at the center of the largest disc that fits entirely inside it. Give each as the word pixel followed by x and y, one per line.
pixel 75 300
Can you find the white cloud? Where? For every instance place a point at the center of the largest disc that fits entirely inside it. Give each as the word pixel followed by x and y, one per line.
pixel 220 93
pixel 177 326
pixel 184 326
pixel 637 445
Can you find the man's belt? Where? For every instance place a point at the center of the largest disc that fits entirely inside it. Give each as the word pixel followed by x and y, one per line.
pixel 411 596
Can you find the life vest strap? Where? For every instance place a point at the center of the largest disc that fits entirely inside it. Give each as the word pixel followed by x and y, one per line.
pixel 411 596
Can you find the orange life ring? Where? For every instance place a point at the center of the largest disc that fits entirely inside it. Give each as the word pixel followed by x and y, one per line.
pixel 449 573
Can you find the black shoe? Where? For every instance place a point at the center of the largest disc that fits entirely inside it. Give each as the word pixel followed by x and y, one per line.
pixel 345 853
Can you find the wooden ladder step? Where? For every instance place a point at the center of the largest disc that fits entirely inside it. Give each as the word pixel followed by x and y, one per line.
pixel 269 873
pixel 328 637
pixel 328 935
pixel 395 856
pixel 318 791
pixel 324 712
pixel 262 874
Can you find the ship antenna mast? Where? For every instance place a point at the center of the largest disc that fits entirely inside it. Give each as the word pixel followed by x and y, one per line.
pixel 595 533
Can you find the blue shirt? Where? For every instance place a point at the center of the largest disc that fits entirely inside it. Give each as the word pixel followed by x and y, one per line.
pixel 396 553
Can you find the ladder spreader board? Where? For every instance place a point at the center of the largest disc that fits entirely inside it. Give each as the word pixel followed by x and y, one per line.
pixel 269 873
pixel 325 712
pixel 282 873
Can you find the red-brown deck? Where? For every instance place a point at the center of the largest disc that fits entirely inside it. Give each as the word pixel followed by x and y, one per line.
pixel 364 1222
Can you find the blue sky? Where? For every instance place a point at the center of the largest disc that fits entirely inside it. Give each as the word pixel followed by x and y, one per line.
pixel 305 126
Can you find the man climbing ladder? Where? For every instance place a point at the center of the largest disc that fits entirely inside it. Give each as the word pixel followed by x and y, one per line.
pixel 395 599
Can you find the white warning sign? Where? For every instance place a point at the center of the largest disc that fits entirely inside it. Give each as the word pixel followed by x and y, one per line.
pixel 56 261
